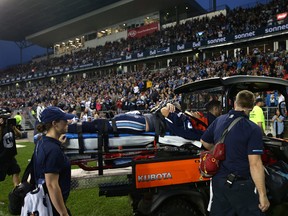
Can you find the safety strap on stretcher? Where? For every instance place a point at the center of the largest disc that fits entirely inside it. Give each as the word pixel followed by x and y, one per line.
pixel 80 138
pixel 115 132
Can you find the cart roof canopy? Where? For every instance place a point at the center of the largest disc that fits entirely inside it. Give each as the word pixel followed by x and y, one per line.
pixel 236 84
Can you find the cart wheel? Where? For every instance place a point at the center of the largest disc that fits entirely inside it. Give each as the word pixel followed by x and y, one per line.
pixel 177 206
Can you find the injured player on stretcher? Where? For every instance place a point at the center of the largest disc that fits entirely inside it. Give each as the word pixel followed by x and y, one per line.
pixel 171 120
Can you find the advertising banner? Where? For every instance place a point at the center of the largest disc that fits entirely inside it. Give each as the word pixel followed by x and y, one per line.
pixel 143 30
pixel 165 50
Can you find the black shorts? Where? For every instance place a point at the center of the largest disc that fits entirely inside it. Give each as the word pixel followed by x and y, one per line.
pixel 9 168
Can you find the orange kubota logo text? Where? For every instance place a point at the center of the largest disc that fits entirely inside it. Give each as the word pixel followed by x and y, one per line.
pixel 154 177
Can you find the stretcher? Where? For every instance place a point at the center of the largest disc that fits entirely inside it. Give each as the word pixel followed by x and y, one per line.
pixel 119 150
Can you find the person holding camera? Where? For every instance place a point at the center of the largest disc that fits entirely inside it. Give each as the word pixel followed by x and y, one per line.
pixel 8 151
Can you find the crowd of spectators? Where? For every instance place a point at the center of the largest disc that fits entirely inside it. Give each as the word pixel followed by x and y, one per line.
pixel 238 20
pixel 141 90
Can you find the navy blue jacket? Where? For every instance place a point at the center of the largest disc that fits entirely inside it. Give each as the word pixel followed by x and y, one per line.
pixel 49 158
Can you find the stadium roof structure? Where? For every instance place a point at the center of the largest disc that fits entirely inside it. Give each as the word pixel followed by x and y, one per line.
pixel 46 22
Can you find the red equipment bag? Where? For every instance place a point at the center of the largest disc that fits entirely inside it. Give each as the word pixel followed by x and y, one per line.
pixel 210 160
pixel 209 165
pixel 219 151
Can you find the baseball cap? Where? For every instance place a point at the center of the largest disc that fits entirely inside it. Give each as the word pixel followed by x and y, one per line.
pixel 53 113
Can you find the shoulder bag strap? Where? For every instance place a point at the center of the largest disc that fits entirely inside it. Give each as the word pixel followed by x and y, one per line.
pixel 225 132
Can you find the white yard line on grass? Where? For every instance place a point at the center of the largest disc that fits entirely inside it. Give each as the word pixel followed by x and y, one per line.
pixel 20 146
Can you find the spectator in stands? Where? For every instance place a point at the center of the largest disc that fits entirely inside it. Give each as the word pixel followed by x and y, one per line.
pixel 119 105
pixel 39 109
pixel 52 165
pixel 272 100
pixel 280 98
pixel 278 124
pixel 78 107
pixel 257 115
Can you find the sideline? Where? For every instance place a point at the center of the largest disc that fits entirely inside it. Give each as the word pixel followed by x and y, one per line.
pixel 20 146
pixel 80 173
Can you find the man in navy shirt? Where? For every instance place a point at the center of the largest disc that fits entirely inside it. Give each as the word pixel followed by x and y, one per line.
pixel 234 184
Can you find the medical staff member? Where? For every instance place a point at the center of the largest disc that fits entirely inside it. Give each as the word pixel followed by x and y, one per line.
pixel 18 118
pixel 51 164
pixel 257 114
pixel 242 171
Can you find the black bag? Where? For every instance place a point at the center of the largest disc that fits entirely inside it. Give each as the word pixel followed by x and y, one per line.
pixel 17 195
pixel 276 177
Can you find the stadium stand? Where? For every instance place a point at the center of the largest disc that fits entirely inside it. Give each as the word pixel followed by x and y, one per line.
pixel 129 90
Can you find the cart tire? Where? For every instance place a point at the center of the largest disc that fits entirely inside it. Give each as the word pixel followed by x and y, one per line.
pixel 176 207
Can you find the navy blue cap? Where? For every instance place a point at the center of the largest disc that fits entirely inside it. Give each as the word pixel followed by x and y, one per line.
pixel 53 113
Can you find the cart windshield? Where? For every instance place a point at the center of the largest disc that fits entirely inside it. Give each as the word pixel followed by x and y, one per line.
pixel 196 101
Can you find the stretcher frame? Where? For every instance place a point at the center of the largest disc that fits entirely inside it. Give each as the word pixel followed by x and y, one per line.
pixel 105 156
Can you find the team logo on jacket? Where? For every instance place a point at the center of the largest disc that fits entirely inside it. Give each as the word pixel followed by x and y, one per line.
pixel 8 140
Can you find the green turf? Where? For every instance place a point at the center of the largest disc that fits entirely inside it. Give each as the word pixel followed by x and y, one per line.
pixel 81 202
pixel 24 154
pixel 87 202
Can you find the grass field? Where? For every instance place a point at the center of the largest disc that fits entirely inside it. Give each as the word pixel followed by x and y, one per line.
pixel 84 202
pixel 81 202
